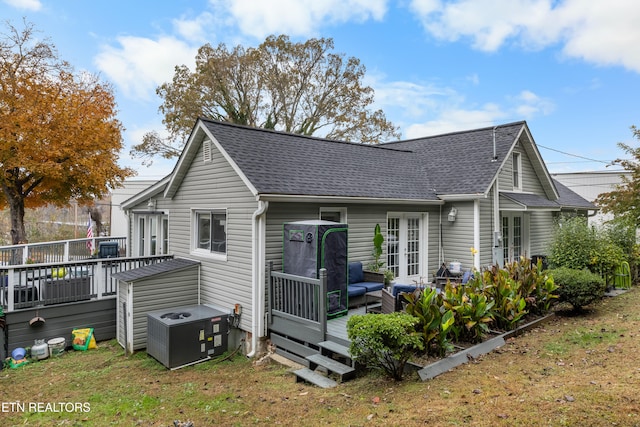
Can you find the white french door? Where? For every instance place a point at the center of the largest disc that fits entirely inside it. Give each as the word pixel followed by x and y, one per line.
pixel 406 240
pixel 153 235
pixel 512 237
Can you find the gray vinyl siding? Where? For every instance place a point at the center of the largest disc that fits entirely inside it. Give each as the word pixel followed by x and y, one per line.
pixel 165 291
pixel 277 215
pixel 361 219
pixel 485 251
pixel 457 236
pixel 216 185
pixel 509 205
pixel 433 260
pixel 541 232
pixel 121 313
pixel 530 181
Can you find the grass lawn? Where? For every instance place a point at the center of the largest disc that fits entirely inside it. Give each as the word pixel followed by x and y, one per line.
pixel 572 371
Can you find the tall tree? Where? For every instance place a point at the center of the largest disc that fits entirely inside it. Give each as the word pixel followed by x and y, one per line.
pixel 624 200
pixel 295 87
pixel 59 136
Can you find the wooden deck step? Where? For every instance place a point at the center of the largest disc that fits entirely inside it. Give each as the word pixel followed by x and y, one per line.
pixel 306 374
pixel 328 347
pixel 343 371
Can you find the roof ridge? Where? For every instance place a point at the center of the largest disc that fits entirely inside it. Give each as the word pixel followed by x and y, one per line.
pixel 380 145
pixel 440 135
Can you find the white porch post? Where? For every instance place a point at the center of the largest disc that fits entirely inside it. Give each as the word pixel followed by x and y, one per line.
pixel 10 287
pixel 99 280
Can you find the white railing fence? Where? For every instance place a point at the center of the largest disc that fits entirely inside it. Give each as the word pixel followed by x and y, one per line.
pixel 33 285
pixel 61 251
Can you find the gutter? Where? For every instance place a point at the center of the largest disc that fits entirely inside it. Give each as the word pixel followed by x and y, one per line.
pixel 346 199
pixel 258 229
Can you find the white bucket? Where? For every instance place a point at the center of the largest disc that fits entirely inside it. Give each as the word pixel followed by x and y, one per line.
pixel 455 267
pixel 56 346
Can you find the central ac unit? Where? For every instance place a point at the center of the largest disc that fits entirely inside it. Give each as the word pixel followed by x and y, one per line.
pixel 185 335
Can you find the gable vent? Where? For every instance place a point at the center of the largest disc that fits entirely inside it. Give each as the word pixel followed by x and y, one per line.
pixel 206 151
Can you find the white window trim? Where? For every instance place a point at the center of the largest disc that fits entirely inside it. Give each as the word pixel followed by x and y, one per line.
pixel 207 253
pixel 423 266
pixel 144 248
pixel 516 164
pixel 342 210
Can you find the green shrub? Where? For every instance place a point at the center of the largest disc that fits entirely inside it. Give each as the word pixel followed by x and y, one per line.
pixel 510 306
pixel 472 312
pixel 572 244
pixel 536 286
pixel 578 287
pixel 384 342
pixel 576 245
pixel 434 321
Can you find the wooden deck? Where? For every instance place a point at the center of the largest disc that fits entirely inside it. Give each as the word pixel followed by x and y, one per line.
pixel 337 328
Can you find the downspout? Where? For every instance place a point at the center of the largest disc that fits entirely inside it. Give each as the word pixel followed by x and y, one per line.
pixel 476 233
pixel 440 246
pixel 495 256
pixel 258 231
pixel 496 225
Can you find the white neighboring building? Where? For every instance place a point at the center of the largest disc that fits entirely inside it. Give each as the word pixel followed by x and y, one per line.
pixel 590 184
pixel 119 195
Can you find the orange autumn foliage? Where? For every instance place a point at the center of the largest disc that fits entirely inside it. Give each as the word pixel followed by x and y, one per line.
pixel 59 135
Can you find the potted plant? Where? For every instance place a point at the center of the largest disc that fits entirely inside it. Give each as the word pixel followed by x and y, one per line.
pixel 388 278
pixel 378 241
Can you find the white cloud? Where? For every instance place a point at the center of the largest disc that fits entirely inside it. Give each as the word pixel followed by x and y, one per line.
pixel 31 5
pixel 454 120
pixel 260 18
pixel 528 105
pixel 452 114
pixel 423 109
pixel 196 30
pixel 604 33
pixel 413 100
pixel 138 65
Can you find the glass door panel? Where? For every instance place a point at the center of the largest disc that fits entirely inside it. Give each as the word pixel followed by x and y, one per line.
pixel 404 246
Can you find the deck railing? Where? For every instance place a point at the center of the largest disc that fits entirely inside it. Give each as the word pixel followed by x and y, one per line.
pixel 298 299
pixel 58 251
pixel 34 285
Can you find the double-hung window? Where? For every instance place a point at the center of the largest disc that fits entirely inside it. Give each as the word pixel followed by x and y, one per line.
pixel 211 231
pixel 517 171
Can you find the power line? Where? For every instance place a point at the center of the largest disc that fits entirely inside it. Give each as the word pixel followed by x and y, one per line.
pixel 574 155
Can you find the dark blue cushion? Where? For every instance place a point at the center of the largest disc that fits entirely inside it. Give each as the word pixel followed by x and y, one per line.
pixel 370 286
pixel 355 272
pixel 354 291
pixel 402 288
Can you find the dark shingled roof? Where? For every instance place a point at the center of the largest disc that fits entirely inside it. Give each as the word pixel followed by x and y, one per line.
pixel 282 163
pixel 462 162
pixel 571 199
pixel 421 169
pixel 155 269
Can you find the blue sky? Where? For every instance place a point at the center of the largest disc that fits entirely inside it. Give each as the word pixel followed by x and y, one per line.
pixel 570 68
